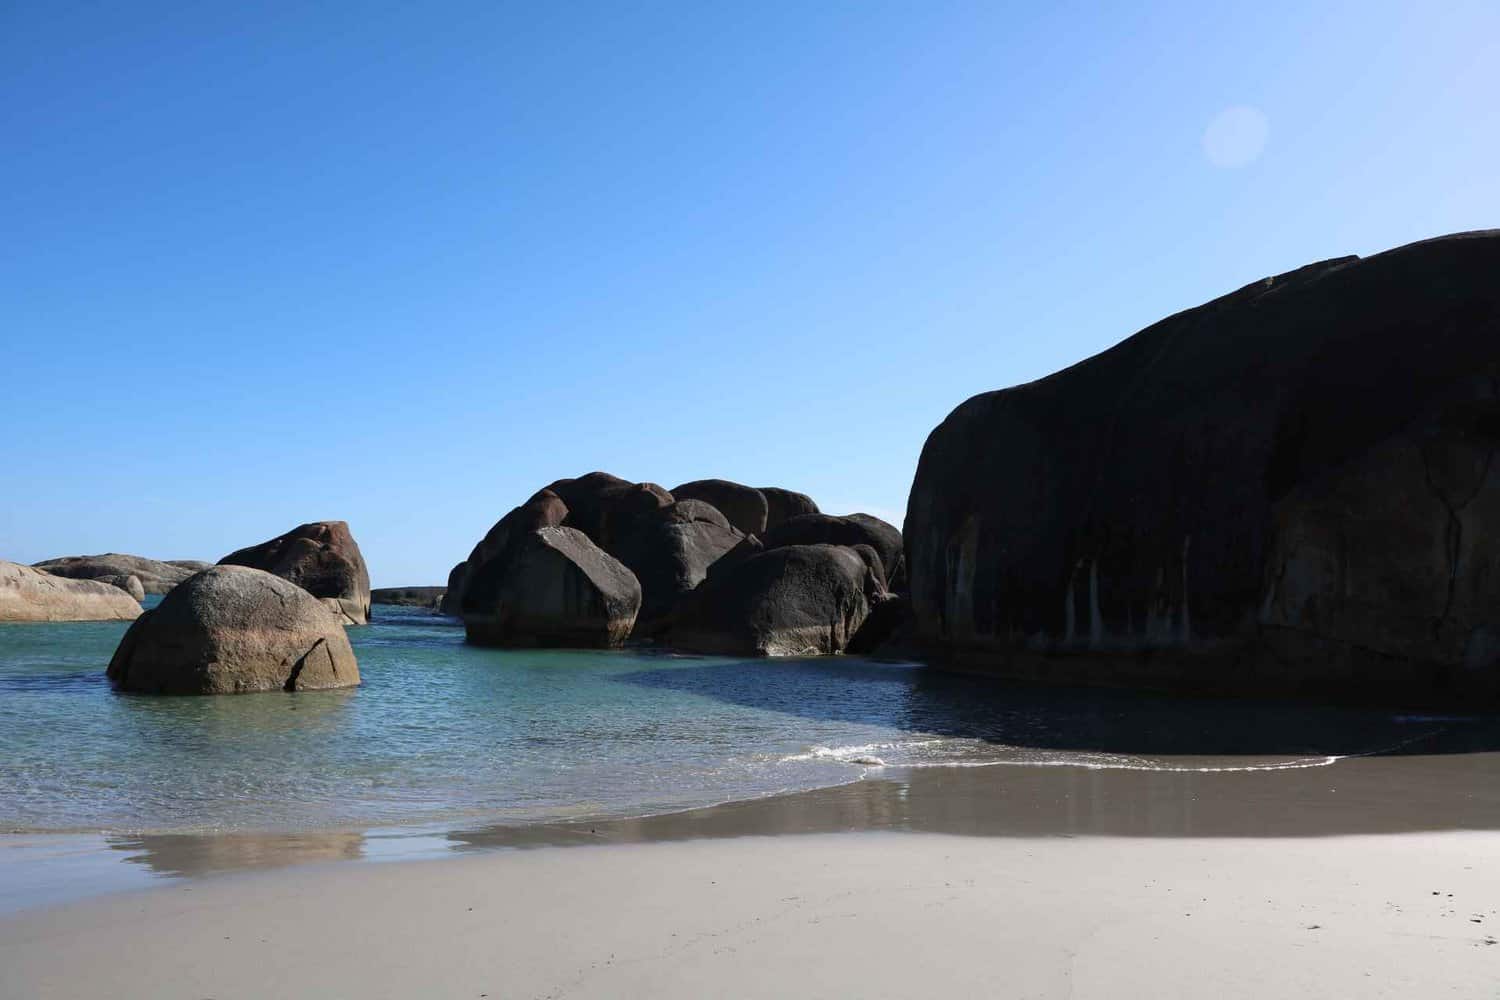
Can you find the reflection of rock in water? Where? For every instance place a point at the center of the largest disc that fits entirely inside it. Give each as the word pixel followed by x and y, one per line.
pixel 203 854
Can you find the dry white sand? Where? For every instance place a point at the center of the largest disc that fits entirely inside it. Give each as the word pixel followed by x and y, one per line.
pixel 840 915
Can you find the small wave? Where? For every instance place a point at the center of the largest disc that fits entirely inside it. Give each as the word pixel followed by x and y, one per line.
pixel 1094 765
pixel 863 754
pixel 900 754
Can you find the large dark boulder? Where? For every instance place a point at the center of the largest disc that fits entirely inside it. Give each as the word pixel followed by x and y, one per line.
pixel 551 587
pixel 607 508
pixel 545 509
pixel 323 559
pixel 798 600
pixel 849 529
pixel 234 630
pixel 156 577
pixel 744 506
pixel 671 554
pixel 1289 489
pixel 28 594
pixel 783 505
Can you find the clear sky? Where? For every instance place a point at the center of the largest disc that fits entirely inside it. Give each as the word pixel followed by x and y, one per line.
pixel 403 264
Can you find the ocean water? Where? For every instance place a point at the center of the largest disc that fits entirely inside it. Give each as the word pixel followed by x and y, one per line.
pixel 445 733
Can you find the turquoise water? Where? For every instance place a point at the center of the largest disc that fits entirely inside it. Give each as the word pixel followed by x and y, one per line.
pixel 442 732
pixel 439 730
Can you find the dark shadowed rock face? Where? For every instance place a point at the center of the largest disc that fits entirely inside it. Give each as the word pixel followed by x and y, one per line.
pixel 409 597
pixel 156 577
pixel 744 506
pixel 607 508
pixel 671 554
pixel 888 616
pixel 234 630
pixel 850 529
pixel 798 600
pixel 320 557
pixel 551 587
pixel 1290 489
pixel 31 595
pixel 783 505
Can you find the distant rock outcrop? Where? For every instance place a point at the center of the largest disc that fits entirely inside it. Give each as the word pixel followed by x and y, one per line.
pixel 1291 489
pixel 235 630
pixel 798 600
pixel 28 594
pixel 156 577
pixel 410 597
pixel 323 559
pixel 551 586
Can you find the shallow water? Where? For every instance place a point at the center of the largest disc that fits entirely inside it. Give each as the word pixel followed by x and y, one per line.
pixel 449 734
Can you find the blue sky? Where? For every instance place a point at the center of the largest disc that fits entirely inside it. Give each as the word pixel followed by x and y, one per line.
pixel 404 264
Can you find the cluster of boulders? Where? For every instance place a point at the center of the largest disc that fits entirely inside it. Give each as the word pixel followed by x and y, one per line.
pixel 269 617
pixel 1291 489
pixel 709 566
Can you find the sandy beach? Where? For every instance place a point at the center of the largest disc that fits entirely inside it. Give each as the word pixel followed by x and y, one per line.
pixel 862 914
pixel 1371 877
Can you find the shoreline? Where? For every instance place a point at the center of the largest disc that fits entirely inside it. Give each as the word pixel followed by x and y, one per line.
pixel 1353 796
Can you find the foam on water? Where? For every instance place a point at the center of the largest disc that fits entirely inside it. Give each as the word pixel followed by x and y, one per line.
pixel 974 753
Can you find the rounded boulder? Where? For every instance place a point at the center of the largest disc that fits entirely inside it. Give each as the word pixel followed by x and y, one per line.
pixel 235 630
